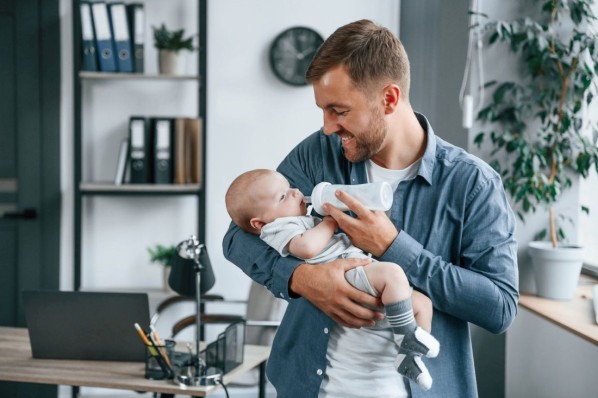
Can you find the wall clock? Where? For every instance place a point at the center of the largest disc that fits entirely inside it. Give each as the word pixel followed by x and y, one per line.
pixel 291 53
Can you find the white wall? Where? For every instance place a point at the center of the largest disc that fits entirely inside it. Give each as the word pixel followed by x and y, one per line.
pixel 254 119
pixel 542 360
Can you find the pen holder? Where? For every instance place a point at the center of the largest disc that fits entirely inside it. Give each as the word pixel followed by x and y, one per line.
pixel 158 361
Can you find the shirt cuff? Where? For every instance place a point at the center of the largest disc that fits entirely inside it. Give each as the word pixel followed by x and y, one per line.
pixel 404 250
pixel 282 274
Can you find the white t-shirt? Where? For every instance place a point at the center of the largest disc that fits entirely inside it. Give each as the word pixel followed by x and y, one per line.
pixel 360 362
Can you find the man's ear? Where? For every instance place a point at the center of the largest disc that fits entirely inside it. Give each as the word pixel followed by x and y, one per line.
pixel 392 95
pixel 257 224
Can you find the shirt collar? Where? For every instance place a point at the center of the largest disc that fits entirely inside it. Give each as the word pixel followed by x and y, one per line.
pixel 429 158
pixel 359 173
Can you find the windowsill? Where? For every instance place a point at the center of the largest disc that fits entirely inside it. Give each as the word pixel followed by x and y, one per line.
pixel 576 315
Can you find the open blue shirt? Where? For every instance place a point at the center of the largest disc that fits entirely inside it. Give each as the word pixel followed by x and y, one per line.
pixel 456 244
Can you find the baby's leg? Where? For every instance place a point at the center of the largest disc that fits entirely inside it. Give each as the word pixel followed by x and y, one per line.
pixel 389 280
pixel 422 310
pixel 391 284
pixel 402 307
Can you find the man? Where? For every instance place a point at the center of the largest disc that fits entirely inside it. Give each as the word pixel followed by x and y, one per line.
pixel 450 228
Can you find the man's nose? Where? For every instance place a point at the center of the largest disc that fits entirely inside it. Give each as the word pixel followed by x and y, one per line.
pixel 330 125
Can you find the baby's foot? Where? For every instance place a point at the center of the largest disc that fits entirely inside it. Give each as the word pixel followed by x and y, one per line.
pixel 419 342
pixel 412 367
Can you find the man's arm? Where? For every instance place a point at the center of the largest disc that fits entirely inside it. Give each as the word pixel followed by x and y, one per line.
pixel 483 288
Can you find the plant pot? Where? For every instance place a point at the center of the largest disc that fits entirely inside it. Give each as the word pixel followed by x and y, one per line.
pixel 165 276
pixel 172 62
pixel 556 270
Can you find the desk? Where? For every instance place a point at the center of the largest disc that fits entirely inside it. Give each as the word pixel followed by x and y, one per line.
pixel 552 347
pixel 576 315
pixel 16 364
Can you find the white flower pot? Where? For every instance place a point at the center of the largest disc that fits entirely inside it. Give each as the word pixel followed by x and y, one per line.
pixel 172 62
pixel 556 270
pixel 165 276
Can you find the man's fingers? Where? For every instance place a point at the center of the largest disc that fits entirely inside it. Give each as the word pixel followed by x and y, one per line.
pixel 356 206
pixel 353 262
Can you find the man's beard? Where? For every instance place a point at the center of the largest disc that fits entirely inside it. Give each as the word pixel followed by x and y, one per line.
pixel 368 145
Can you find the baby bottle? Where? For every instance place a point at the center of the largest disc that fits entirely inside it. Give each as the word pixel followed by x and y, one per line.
pixel 374 196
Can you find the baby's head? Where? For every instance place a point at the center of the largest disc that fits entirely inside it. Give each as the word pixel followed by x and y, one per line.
pixel 258 197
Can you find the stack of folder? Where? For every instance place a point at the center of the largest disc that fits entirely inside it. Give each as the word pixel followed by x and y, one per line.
pixel 112 36
pixel 161 150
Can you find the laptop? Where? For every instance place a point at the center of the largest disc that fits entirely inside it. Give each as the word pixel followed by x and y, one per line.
pixel 86 325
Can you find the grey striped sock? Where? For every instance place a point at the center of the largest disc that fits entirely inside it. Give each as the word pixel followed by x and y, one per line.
pixel 400 317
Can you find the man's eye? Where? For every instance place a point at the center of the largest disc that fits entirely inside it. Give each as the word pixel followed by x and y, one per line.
pixel 339 113
pixel 282 197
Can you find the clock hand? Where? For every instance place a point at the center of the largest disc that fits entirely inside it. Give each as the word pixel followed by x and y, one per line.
pixel 304 53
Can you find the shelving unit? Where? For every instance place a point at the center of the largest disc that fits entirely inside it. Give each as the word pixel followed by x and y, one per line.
pixel 88 189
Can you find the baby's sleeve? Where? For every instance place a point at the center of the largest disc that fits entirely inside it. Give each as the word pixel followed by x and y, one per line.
pixel 279 232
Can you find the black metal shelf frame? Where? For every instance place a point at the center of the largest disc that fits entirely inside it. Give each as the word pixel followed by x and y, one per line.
pixel 85 190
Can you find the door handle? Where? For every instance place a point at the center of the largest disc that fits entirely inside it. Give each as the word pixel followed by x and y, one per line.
pixel 28 213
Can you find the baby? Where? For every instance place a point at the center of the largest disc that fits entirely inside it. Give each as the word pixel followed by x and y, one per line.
pixel 261 202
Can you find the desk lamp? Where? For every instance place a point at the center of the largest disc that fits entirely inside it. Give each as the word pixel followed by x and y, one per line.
pixel 190 262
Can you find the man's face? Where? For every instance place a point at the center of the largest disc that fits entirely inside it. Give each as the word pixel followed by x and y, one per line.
pixel 277 199
pixel 350 114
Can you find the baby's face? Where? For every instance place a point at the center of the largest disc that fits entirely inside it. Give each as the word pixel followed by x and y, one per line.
pixel 277 199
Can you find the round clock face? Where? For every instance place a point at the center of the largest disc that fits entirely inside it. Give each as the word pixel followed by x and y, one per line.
pixel 291 53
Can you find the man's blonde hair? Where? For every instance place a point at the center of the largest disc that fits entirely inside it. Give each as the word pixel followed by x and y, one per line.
pixel 241 201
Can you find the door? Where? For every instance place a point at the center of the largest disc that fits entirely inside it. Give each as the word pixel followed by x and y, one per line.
pixel 29 160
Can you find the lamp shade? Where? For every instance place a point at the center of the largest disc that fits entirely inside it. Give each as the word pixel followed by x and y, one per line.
pixel 183 273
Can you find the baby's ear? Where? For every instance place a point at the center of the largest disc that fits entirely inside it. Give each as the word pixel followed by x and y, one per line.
pixel 257 224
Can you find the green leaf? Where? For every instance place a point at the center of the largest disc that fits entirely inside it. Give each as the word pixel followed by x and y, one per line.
pixel 479 139
pixel 493 38
pixel 541 235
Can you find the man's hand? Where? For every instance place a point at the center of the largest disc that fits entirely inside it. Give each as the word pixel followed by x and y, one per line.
pixel 371 231
pixel 325 286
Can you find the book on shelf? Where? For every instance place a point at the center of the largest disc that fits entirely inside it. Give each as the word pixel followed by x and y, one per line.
pixel 163 149
pixel 140 155
pixel 103 37
pixel 188 155
pixel 121 165
pixel 119 24
pixel 88 44
pixel 136 18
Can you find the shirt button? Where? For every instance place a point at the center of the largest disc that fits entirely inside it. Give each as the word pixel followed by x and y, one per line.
pixel 282 294
pixel 319 372
pixel 325 330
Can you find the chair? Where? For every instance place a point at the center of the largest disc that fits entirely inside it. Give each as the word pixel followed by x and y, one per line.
pixel 263 314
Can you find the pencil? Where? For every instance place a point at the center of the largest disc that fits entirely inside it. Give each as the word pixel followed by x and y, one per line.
pixel 161 345
pixel 142 334
pixel 162 358
pixel 145 340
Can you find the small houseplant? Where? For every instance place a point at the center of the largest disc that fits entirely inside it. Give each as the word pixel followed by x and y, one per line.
pixel 539 122
pixel 172 45
pixel 163 255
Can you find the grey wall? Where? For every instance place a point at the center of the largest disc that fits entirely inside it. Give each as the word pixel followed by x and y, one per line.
pixel 435 35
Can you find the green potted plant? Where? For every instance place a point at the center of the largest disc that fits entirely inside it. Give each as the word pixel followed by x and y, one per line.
pixel 539 133
pixel 172 46
pixel 163 255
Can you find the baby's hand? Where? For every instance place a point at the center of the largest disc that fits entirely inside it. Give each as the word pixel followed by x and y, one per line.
pixel 332 221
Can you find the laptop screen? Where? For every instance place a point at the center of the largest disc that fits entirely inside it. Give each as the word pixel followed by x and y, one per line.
pixel 86 325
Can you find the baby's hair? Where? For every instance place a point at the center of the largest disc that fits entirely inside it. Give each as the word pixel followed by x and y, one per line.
pixel 240 204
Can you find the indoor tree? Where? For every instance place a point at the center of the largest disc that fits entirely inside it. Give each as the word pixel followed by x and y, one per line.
pixel 539 121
